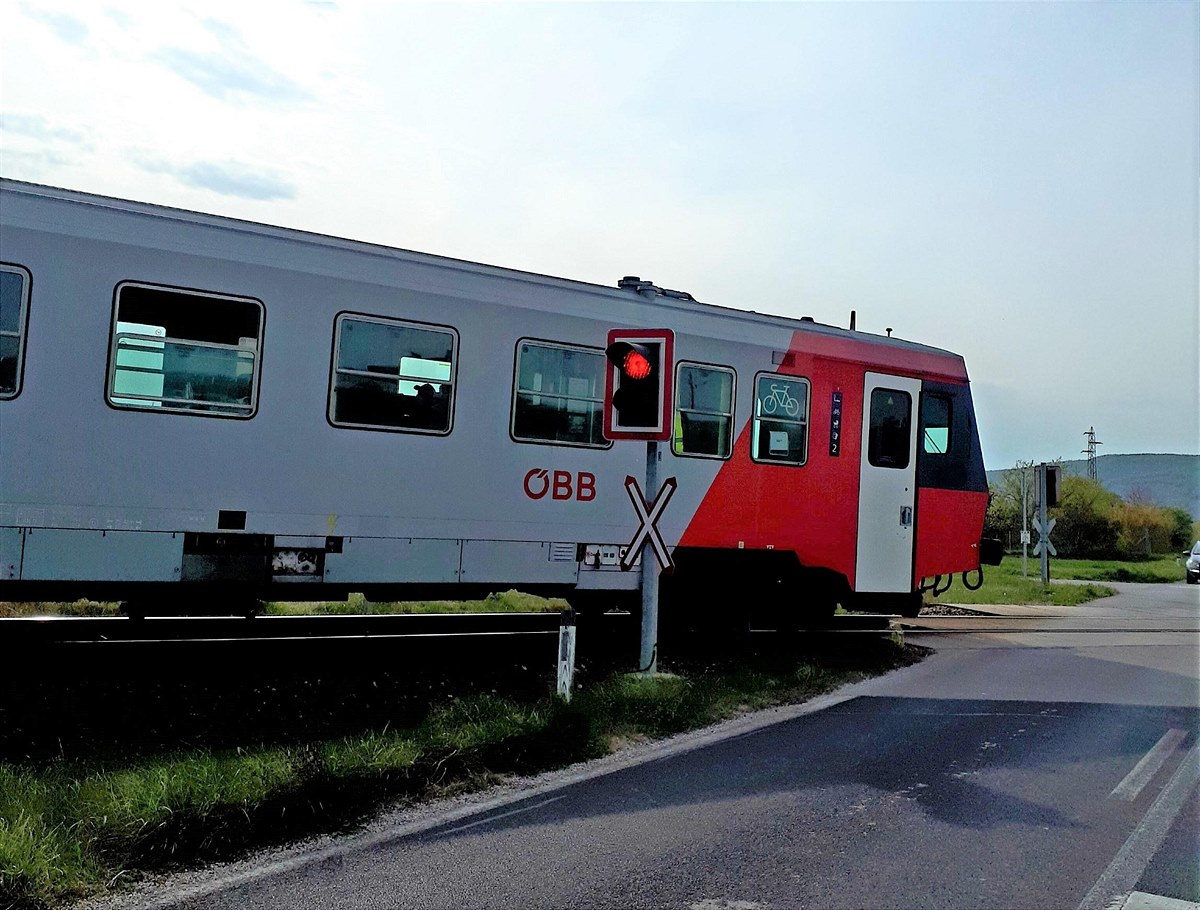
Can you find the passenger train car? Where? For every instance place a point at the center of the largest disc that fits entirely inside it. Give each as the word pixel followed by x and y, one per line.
pixel 195 409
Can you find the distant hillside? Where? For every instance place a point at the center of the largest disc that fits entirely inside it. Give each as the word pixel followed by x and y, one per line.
pixel 1167 480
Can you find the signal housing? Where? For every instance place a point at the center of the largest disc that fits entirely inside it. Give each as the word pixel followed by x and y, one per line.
pixel 637 400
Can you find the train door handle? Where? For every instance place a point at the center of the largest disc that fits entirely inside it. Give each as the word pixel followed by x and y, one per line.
pixel 906 516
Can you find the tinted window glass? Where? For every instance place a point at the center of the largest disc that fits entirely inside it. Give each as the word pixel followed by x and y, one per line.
pixel 891 422
pixel 780 420
pixel 187 351
pixel 559 395
pixel 703 411
pixel 935 418
pixel 392 375
pixel 13 291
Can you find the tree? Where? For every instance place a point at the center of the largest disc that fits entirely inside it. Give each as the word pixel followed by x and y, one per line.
pixel 1181 529
pixel 1144 528
pixel 1085 524
pixel 1003 520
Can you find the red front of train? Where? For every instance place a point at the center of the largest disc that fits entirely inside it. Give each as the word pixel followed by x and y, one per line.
pixel 893 490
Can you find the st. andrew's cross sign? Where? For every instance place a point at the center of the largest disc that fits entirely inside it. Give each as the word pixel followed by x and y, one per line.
pixel 648 515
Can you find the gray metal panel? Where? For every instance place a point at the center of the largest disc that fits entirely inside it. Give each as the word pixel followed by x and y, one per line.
pixel 101 555
pixel 10 553
pixel 611 581
pixel 373 560
pixel 500 560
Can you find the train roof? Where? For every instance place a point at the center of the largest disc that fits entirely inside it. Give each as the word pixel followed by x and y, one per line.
pixel 834 340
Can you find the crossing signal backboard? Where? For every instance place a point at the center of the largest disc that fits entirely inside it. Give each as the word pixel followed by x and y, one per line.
pixel 637 386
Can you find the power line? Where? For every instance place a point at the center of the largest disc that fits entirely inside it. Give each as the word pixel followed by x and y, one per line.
pixel 1091 452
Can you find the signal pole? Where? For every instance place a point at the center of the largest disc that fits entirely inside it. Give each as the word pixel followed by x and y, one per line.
pixel 1043 526
pixel 637 405
pixel 1047 477
pixel 1091 452
pixel 1024 521
pixel 648 661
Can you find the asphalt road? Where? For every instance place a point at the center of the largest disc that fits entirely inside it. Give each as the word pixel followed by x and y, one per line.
pixel 1055 766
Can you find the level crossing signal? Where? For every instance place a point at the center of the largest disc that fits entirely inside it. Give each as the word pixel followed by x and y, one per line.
pixel 637 390
pixel 1053 476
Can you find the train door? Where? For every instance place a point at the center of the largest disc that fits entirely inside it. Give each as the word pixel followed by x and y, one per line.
pixel 887 486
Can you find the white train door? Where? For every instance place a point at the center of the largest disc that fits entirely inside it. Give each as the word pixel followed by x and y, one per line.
pixel 887 487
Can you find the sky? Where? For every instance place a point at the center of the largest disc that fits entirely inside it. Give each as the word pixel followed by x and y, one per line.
pixel 1015 182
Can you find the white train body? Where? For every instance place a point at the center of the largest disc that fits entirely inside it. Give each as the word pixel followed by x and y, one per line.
pixel 200 401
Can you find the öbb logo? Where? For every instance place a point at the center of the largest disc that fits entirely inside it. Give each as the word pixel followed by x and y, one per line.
pixel 563 485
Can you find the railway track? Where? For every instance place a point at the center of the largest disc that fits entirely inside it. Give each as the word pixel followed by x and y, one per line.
pixel 19 632
pixel 16 633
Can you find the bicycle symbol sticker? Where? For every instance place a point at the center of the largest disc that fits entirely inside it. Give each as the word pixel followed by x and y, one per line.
pixel 779 400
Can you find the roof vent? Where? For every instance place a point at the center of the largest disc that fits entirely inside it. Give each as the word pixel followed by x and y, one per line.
pixel 807 319
pixel 633 283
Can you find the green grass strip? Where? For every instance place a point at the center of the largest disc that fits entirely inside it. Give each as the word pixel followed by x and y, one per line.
pixel 68 830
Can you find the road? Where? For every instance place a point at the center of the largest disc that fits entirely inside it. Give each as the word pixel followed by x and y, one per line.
pixel 1055 766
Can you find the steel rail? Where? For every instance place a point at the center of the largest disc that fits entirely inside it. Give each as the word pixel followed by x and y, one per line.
pixel 27 631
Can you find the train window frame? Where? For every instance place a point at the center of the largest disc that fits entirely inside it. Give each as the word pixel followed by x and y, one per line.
pixel 874 441
pixel 373 318
pixel 948 426
pixel 153 343
pixel 756 419
pixel 516 393
pixel 677 411
pixel 21 332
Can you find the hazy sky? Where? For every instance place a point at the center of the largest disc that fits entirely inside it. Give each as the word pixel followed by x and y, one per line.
pixel 1014 182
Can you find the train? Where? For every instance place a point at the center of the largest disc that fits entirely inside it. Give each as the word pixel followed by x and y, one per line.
pixel 200 412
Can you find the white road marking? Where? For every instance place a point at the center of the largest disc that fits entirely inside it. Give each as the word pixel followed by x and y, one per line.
pixel 1142 773
pixel 1132 859
pixel 1140 900
pixel 493 818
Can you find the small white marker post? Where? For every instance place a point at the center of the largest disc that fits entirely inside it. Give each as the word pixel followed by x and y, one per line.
pixel 566 653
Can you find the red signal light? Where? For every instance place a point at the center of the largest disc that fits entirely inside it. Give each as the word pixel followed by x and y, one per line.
pixel 636 366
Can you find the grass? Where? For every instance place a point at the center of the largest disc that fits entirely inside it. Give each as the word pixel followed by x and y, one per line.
pixel 10 610
pixel 1003 584
pixel 70 829
pixel 505 602
pixel 511 601
pixel 1163 569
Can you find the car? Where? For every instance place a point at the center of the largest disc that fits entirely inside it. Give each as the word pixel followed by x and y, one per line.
pixel 1192 564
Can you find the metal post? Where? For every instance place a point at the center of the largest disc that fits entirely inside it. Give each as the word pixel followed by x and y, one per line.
pixel 1043 522
pixel 1024 521
pixel 566 653
pixel 649 653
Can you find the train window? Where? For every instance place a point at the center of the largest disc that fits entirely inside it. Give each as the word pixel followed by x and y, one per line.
pixel 14 308
pixel 185 351
pixel 703 425
pixel 936 423
pixel 780 419
pixel 391 375
pixel 891 422
pixel 559 395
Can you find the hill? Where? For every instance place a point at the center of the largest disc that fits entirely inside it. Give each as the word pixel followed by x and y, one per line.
pixel 1166 480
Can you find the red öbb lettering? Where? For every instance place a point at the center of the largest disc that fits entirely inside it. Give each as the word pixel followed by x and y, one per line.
pixel 537 482
pixel 561 485
pixel 585 487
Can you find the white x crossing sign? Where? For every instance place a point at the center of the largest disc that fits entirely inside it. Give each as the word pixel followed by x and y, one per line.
pixel 1044 537
pixel 648 515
